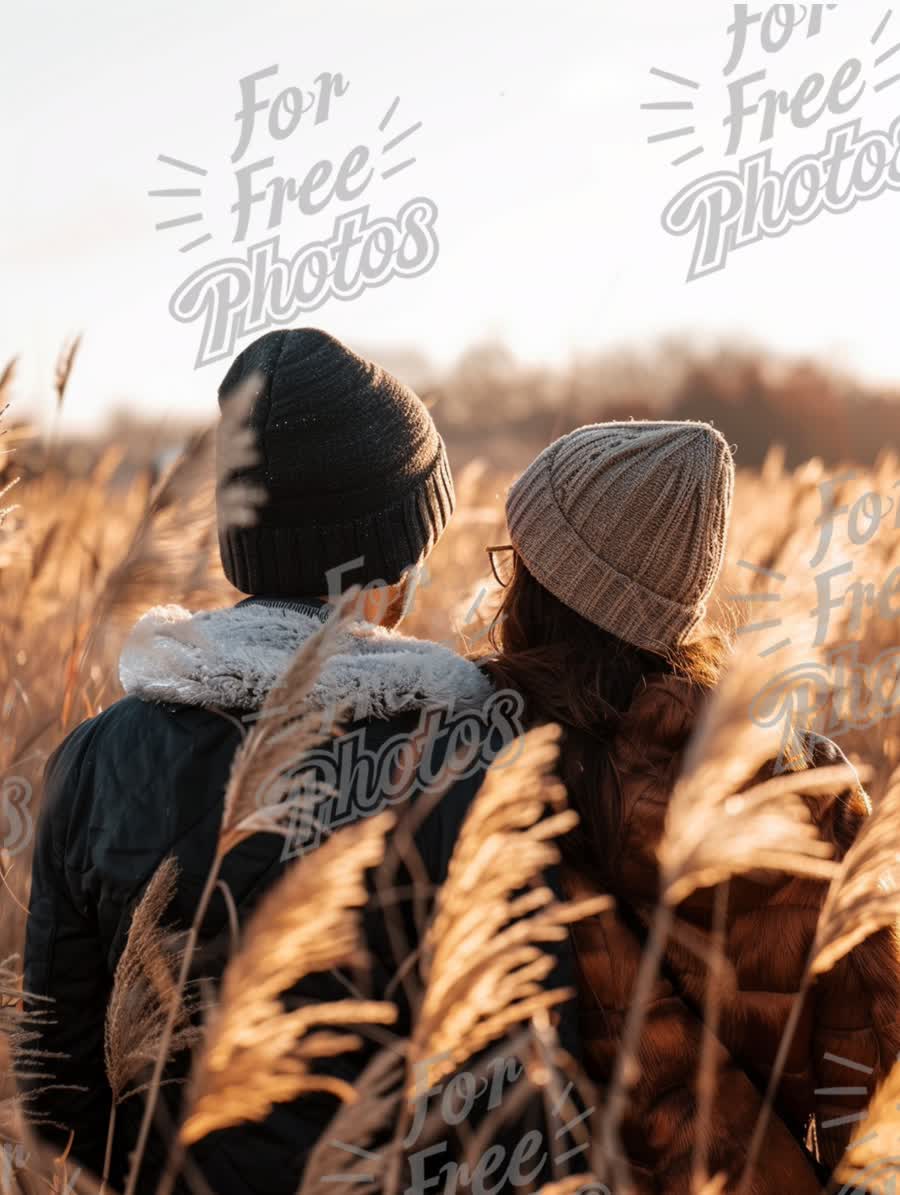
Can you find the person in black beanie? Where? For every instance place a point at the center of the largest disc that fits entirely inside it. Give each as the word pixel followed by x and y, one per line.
pixel 357 492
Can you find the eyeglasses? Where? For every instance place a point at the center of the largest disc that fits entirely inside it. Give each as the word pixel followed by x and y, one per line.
pixel 503 573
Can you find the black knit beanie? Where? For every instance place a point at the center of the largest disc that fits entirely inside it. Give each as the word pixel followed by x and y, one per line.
pixel 352 465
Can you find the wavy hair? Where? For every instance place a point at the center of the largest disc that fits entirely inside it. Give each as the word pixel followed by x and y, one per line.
pixel 572 672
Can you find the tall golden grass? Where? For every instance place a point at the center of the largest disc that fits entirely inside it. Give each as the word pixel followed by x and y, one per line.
pixel 81 557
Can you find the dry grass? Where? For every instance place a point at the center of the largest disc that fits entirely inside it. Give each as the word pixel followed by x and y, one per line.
pixel 873 1157
pixel 144 991
pixel 81 557
pixel 483 966
pixel 256 1052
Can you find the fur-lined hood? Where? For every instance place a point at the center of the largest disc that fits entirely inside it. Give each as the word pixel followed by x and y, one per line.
pixel 231 658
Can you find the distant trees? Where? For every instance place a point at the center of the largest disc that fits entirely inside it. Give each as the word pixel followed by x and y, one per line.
pixel 493 405
pixel 490 404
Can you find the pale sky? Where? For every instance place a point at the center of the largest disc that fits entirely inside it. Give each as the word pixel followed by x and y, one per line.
pixel 533 147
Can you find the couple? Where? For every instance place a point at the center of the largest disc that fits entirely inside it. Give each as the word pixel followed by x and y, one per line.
pixel 617 535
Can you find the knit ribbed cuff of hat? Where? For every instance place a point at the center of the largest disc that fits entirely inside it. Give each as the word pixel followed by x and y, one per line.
pixel 264 558
pixel 564 564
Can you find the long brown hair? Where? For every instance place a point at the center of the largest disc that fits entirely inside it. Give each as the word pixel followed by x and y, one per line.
pixel 575 673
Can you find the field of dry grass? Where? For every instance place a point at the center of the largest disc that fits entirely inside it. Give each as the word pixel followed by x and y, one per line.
pixel 82 557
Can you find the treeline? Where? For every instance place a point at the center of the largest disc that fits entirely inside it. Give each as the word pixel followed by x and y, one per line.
pixel 492 405
pixel 489 404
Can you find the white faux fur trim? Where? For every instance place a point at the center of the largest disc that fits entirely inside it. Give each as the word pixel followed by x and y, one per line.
pixel 231 658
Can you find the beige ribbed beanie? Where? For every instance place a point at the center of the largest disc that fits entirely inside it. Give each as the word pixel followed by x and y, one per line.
pixel 626 523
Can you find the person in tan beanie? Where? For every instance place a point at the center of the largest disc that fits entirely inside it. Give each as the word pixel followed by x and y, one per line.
pixel 617 536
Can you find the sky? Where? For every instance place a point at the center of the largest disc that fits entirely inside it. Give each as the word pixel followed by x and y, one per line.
pixel 534 158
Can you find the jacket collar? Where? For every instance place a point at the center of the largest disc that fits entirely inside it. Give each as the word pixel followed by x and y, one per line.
pixel 230 658
pixel 313 606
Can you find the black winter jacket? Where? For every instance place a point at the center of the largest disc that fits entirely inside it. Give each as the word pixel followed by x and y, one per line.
pixel 146 779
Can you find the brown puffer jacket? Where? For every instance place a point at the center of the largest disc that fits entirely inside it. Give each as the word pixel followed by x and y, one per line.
pixel 848 1034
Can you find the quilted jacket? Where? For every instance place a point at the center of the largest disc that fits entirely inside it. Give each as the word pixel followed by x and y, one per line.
pixel 848 1034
